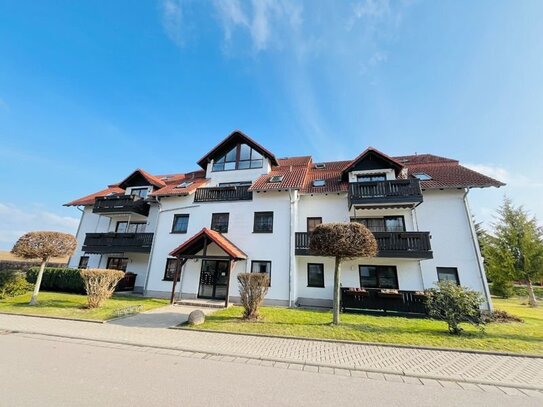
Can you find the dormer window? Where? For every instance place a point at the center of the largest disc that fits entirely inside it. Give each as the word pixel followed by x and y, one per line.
pixel 320 166
pixel 319 183
pixel 240 157
pixel 276 178
pixel 141 192
pixel 422 176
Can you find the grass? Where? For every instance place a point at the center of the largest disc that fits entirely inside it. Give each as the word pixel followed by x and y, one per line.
pixel 73 305
pixel 517 337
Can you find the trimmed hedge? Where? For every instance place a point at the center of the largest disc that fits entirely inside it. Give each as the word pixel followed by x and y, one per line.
pixel 513 290
pixel 58 279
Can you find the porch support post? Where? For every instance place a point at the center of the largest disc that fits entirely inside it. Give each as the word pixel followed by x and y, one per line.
pixel 231 264
pixel 175 277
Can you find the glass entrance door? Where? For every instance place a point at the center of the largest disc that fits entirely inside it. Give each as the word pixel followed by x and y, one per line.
pixel 213 279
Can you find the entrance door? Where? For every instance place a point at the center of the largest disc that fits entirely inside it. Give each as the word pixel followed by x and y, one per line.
pixel 213 279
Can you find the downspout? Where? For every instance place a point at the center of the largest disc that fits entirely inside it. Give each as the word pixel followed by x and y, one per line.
pixel 477 250
pixel 292 257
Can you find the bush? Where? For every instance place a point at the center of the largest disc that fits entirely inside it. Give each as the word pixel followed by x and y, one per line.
pixel 58 279
pixel 253 287
pixel 100 284
pixel 501 288
pixel 454 304
pixel 13 283
pixel 522 291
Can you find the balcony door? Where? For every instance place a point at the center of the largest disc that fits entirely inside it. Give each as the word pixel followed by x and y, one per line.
pixel 213 279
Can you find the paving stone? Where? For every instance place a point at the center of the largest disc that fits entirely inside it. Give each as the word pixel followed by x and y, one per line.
pixel 325 369
pixel 532 393
pixel 393 378
pixel 376 376
pixel 450 385
pixel 342 372
pixel 281 365
pixel 359 373
pixel 510 391
pixel 412 380
pixel 430 382
pixel 491 389
pixel 295 366
pixel 470 386
pixel 309 368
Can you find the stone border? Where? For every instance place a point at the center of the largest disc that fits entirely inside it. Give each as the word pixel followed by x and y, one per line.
pixel 92 321
pixel 389 345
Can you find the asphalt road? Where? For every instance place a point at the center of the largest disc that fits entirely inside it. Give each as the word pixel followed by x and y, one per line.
pixel 40 372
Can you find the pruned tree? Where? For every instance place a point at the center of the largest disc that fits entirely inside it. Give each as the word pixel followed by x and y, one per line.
pixel 253 287
pixel 343 241
pixel 100 284
pixel 515 250
pixel 43 246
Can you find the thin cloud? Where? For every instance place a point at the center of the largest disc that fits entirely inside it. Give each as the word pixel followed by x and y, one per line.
pixel 502 174
pixel 172 20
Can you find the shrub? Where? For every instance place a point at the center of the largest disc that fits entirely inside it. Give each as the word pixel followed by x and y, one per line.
pixel 501 288
pixel 253 287
pixel 522 291
pixel 58 279
pixel 100 284
pixel 454 304
pixel 12 283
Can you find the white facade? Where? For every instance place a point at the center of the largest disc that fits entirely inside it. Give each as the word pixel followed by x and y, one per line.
pixel 442 213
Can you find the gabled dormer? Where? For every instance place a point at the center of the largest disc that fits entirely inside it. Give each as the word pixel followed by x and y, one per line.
pixel 140 183
pixel 372 165
pixel 237 158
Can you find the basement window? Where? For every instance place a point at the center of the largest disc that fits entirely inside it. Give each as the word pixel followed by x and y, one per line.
pixel 276 178
pixel 319 183
pixel 422 176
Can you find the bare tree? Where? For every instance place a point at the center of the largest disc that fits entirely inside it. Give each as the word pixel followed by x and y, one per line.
pixel 342 241
pixel 253 287
pixel 43 245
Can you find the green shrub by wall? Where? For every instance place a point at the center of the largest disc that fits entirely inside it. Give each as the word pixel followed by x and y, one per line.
pixel 13 283
pixel 58 279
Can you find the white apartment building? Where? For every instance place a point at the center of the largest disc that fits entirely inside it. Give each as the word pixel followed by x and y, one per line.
pixel 247 211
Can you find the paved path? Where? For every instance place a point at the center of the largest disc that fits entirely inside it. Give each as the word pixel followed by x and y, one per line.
pixel 462 367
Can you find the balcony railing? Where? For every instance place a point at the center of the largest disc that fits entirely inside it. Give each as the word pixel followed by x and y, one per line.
pixel 398 191
pixel 220 194
pixel 389 244
pixel 118 242
pixel 121 204
pixel 374 299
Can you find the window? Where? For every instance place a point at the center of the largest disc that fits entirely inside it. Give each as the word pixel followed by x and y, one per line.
pixel 422 176
pixel 83 262
pixel 141 192
pixel 240 157
pixel 371 178
pixel 236 184
pixel 319 183
pixel 219 222
pixel 117 263
pixel 276 178
pixel 180 223
pixel 378 276
pixel 261 266
pixel 185 184
pixel 263 222
pixel 315 275
pixel 124 227
pixel 169 272
pixel 320 166
pixel 386 224
pixel 448 274
pixel 312 223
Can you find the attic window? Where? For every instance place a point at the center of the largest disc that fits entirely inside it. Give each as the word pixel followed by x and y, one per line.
pixel 165 178
pixel 320 166
pixel 276 178
pixel 319 183
pixel 185 184
pixel 239 157
pixel 422 176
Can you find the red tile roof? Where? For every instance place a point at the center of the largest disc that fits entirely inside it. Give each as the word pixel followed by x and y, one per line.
pixel 229 248
pixel 89 199
pixel 193 180
pixel 151 179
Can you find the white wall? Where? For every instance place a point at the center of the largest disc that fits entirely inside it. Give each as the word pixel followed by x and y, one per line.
pixel 250 174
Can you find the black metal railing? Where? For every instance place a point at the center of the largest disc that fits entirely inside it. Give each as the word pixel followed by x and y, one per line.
pixel 121 204
pixel 383 300
pixel 389 244
pixel 218 194
pixel 392 191
pixel 118 242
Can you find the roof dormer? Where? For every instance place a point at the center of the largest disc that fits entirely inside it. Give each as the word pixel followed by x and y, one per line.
pixel 371 161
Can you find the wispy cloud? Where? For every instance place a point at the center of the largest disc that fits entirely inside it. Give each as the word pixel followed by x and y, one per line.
pixel 16 220
pixel 172 20
pixel 512 179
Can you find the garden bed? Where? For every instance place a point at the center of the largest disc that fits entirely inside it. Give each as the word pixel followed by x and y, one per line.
pixel 64 305
pixel 516 337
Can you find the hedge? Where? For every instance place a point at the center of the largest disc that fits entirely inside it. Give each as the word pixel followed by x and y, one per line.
pixel 58 279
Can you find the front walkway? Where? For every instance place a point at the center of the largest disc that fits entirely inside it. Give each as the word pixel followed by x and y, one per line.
pixel 403 364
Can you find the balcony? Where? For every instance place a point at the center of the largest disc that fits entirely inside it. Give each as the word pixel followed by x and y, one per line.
pixel 118 243
pixel 222 194
pixel 117 204
pixel 412 245
pixel 405 192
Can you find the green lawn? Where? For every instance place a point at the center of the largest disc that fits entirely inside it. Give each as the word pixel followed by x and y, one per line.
pixel 73 305
pixel 525 337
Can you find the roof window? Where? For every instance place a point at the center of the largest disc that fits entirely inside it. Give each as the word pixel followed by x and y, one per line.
pixel 185 184
pixel 320 166
pixel 319 183
pixel 276 178
pixel 422 176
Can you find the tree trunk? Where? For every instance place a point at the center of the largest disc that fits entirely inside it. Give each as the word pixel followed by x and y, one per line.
pixel 531 296
pixel 34 299
pixel 337 280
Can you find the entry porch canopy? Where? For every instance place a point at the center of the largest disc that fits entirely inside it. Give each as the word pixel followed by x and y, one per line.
pixel 200 243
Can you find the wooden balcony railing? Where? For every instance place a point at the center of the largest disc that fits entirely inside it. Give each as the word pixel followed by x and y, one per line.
pixel 121 204
pixel 389 244
pixel 220 194
pixel 118 242
pixel 374 299
pixel 406 191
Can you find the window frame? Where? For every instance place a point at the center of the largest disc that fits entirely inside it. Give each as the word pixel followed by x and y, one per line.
pixel 384 219
pixel 131 223
pixel 109 259
pixel 448 270
pixel 165 278
pixel 255 223
pixel 259 158
pixel 177 216
pixel 369 176
pixel 139 189
pixel 312 218
pixel 262 261
pixel 378 285
pixel 321 270
pixel 213 215
pixel 86 266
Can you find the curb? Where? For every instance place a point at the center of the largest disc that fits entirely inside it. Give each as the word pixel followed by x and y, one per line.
pixel 347 342
pixel 299 362
pixel 93 321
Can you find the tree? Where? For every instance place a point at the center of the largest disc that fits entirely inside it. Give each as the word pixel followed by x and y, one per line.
pixel 43 246
pixel 100 284
pixel 515 250
pixel 253 287
pixel 342 241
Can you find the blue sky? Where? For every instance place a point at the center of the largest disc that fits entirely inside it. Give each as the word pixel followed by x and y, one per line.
pixel 91 90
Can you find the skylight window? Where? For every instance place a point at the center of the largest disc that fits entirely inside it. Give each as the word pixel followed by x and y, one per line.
pixel 185 184
pixel 319 183
pixel 276 178
pixel 422 176
pixel 320 166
